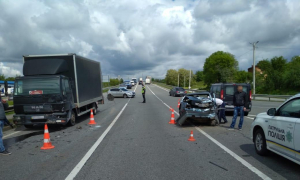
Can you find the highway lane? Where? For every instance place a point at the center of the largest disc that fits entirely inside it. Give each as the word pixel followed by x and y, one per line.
pixel 275 166
pixel 71 143
pixel 142 145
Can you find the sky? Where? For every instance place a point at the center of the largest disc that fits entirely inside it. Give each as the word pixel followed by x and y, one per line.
pixel 132 38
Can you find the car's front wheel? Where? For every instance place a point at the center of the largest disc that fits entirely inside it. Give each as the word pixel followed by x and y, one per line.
pixel 125 96
pixel 260 142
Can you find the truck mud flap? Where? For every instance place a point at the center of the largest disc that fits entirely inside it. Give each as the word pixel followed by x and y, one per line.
pixel 181 120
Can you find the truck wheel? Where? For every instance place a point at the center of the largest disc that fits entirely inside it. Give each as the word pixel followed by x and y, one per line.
pixel 260 142
pixel 124 95
pixel 72 119
pixel 95 110
pixel 28 126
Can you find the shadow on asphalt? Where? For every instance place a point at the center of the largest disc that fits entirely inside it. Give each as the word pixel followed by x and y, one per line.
pixel 279 164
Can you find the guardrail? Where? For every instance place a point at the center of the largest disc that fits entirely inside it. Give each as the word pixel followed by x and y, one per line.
pixel 283 97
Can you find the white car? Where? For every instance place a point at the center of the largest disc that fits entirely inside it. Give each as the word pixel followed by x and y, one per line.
pixel 121 92
pixel 132 83
pixel 278 130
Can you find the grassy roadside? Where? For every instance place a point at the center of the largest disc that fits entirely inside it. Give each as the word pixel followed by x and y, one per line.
pixel 198 85
pixel 163 85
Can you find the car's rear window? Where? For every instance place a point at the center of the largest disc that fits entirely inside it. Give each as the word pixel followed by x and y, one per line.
pixel 229 90
pixel 179 89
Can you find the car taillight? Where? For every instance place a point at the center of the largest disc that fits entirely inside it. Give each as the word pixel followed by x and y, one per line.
pixel 250 95
pixel 222 94
pixel 185 92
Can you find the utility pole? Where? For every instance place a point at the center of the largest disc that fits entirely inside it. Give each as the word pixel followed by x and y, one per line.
pixel 190 79
pixel 184 82
pixel 178 79
pixel 253 67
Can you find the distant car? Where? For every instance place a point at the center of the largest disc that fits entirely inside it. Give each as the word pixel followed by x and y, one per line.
pixel 132 83
pixel 225 91
pixel 140 82
pixel 121 92
pixel 177 91
pixel 128 85
pixel 123 86
pixel 198 106
pixel 278 130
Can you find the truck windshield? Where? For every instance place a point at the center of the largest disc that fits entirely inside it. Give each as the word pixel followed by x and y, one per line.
pixel 37 86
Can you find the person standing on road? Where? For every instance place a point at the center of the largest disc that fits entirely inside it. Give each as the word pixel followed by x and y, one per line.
pixel 240 100
pixel 221 112
pixel 143 93
pixel 3 151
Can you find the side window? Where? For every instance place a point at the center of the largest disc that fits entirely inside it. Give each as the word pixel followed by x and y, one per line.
pixel 245 89
pixel 290 109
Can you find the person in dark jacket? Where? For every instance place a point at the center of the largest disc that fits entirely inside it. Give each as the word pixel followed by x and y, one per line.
pixel 240 101
pixel 3 120
pixel 143 93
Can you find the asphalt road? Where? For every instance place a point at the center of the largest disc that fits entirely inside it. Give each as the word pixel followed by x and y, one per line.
pixel 133 140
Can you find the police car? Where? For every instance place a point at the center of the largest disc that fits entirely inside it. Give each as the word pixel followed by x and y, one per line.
pixel 278 130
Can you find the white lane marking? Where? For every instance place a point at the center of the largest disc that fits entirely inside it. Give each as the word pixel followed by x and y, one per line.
pixel 251 115
pixel 86 157
pixel 238 158
pixel 11 134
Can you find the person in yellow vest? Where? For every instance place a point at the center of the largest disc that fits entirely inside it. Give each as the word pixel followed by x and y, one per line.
pixel 143 93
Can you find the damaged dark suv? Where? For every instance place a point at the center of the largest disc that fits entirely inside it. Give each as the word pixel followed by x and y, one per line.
pixel 198 106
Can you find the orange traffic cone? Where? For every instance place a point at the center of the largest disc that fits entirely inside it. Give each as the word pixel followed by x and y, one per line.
pixel 47 143
pixel 178 105
pixel 192 137
pixel 172 121
pixel 92 120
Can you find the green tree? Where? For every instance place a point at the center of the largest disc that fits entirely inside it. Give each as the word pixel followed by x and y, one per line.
pixel 199 76
pixel 242 77
pixel 171 77
pixel 265 65
pixel 2 77
pixel 292 74
pixel 121 80
pixel 219 67
pixel 10 79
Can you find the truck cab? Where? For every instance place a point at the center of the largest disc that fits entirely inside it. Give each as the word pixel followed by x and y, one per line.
pixel 43 99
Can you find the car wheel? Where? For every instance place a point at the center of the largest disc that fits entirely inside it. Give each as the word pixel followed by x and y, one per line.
pixel 213 122
pixel 72 119
pixel 169 94
pixel 28 126
pixel 125 96
pixel 260 142
pixel 246 113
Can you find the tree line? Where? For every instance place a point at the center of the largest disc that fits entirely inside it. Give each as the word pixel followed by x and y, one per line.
pixel 274 76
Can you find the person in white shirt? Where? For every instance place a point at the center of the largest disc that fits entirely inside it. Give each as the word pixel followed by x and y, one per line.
pixel 221 112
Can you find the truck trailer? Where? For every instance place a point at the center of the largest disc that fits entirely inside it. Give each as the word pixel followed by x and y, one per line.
pixel 55 89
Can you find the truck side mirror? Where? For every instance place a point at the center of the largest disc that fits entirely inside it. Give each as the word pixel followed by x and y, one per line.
pixel 272 112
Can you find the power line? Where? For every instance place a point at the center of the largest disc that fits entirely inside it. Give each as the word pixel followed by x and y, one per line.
pixel 243 53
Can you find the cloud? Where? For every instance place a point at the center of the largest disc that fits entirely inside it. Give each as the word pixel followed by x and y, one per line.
pixel 134 37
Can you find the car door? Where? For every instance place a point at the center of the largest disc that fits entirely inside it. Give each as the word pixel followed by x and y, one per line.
pixel 297 140
pixel 228 95
pixel 281 128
